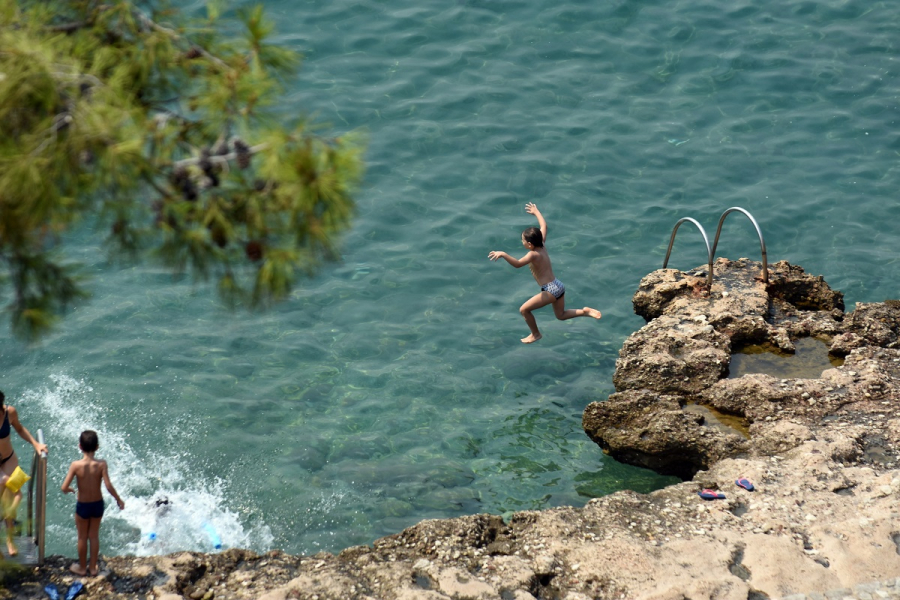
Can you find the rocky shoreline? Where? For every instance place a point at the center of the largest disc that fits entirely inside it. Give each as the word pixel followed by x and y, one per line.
pixel 822 452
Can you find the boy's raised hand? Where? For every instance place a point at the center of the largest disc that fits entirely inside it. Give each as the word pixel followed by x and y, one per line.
pixel 531 208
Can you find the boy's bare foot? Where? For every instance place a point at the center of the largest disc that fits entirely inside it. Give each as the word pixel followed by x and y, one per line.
pixel 592 312
pixel 95 571
pixel 11 548
pixel 75 568
pixel 531 339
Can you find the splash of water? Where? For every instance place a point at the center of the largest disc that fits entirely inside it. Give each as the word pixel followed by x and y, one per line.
pixel 167 507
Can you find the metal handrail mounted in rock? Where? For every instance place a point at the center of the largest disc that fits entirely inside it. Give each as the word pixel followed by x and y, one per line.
pixel 711 252
pixel 762 244
pixel 31 545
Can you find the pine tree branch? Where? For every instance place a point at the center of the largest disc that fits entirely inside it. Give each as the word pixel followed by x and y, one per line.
pixel 60 121
pixel 76 25
pixel 62 74
pixel 223 159
pixel 147 21
pixel 70 27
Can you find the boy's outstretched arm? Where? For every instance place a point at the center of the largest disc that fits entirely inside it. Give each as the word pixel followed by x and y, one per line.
pixel 517 263
pixel 67 482
pixel 110 488
pixel 531 208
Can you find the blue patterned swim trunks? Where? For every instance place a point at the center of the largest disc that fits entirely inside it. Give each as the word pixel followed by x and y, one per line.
pixel 555 287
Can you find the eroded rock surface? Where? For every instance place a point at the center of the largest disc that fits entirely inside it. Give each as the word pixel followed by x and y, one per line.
pixel 680 360
pixel 817 521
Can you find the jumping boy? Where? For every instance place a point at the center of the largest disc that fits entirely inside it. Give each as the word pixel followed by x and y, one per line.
pixel 89 472
pixel 552 289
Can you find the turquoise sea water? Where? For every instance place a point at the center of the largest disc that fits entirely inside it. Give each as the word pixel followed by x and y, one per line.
pixel 392 386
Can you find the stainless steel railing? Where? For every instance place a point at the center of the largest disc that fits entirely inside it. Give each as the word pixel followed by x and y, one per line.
pixel 762 243
pixel 37 501
pixel 711 252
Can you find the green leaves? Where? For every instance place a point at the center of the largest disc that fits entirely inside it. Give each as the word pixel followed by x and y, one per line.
pixel 213 10
pixel 43 289
pixel 155 129
pixel 264 56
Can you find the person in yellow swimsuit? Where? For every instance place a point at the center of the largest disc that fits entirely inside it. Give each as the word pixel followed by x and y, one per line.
pixel 8 463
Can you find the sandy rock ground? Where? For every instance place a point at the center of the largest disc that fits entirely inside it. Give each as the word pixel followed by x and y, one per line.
pixel 813 524
pixel 821 524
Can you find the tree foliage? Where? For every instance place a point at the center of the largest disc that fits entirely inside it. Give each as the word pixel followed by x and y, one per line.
pixel 160 130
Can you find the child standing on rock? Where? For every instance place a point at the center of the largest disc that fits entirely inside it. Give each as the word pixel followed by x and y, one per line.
pixel 552 289
pixel 89 472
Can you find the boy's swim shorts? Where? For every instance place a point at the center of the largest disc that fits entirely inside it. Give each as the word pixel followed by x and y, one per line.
pixel 555 287
pixel 90 510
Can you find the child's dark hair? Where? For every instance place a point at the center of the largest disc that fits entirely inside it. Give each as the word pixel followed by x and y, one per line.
pixel 88 441
pixel 534 237
pixel 2 399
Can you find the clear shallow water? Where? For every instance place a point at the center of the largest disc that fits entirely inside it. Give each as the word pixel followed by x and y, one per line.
pixel 808 360
pixel 392 387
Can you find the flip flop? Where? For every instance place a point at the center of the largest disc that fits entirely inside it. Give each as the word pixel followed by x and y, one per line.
pixel 50 590
pixel 711 495
pixel 745 483
pixel 74 590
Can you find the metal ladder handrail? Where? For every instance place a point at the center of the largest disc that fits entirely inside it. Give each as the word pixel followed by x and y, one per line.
pixel 709 253
pixel 37 487
pixel 762 244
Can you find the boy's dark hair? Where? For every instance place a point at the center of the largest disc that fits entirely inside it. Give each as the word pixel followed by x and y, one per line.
pixel 88 441
pixel 2 399
pixel 534 237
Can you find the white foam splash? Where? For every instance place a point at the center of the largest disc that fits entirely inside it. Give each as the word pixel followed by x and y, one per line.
pixel 144 527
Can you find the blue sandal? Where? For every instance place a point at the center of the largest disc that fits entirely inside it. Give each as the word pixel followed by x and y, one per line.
pixel 74 590
pixel 711 495
pixel 745 483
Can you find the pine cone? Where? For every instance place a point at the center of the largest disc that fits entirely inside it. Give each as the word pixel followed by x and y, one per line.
pixel 182 180
pixel 209 169
pixel 178 176
pixel 243 153
pixel 254 250
pixel 189 190
pixel 203 162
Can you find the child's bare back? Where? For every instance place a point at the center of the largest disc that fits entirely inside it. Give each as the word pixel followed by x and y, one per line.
pixel 89 473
